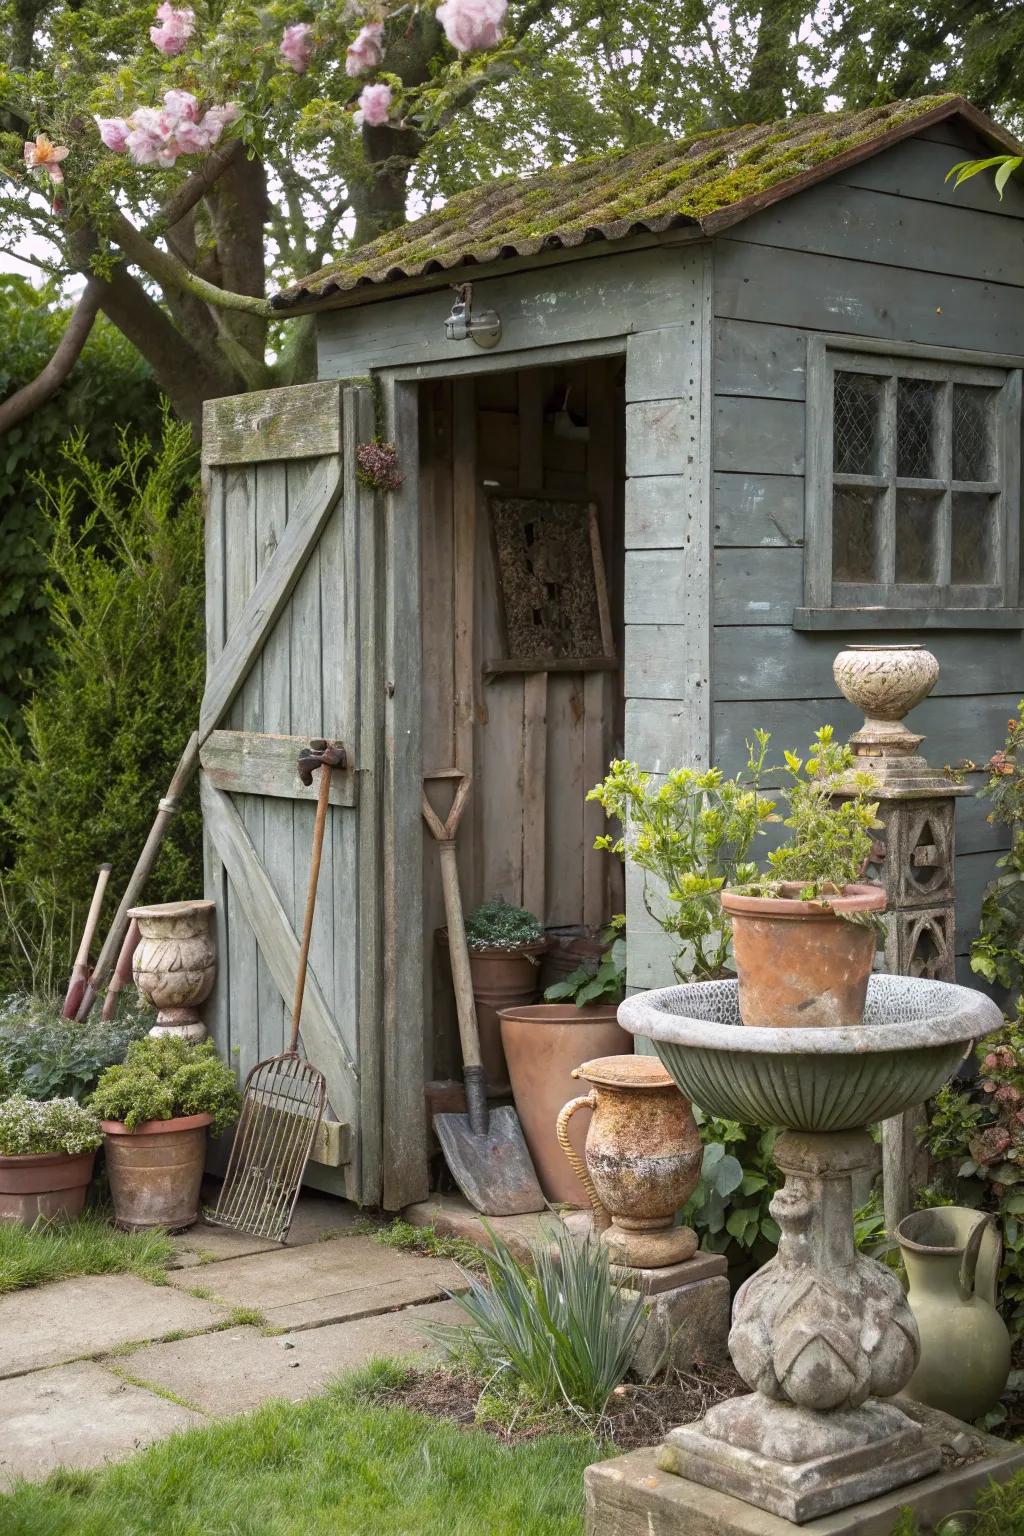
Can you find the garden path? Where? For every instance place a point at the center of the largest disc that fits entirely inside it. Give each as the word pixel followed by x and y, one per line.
pixel 95 1368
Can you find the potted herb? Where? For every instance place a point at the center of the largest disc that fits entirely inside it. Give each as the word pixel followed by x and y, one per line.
pixel 47 1151
pixel 506 944
pixel 157 1108
pixel 804 935
pixel 543 1042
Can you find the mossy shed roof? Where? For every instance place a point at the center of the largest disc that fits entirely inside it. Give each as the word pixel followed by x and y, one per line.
pixel 708 181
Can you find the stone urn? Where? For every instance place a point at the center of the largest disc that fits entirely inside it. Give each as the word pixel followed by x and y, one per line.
pixel 175 964
pixel 887 682
pixel 642 1159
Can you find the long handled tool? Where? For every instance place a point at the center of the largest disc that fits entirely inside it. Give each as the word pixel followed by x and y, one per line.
pixel 80 969
pixel 122 970
pixel 484 1148
pixel 283 1097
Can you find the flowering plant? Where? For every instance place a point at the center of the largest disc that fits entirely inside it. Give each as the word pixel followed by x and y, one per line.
pixel 28 1126
pixel 377 465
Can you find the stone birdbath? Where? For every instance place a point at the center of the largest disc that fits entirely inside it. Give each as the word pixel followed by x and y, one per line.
pixel 822 1335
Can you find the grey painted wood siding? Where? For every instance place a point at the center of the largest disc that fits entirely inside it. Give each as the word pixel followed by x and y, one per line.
pixel 887 251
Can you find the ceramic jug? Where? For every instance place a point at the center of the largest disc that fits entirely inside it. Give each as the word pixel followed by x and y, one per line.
pixel 952 1256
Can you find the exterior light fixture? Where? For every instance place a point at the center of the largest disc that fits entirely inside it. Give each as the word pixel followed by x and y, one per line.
pixel 462 325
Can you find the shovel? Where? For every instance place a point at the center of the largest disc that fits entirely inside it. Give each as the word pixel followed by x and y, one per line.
pixel 484 1148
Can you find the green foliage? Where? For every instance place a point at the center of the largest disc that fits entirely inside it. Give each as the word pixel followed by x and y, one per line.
pixel 109 722
pixel 558 1327
pixel 424 1240
pixel 46 1056
pixel 53 1125
pixel 729 1209
pixel 998 1511
pixel 495 924
pixel 694 833
pixel 1005 165
pixel 603 983
pixel 997 953
pixel 57 1250
pixel 163 1077
pixel 109 373
pixel 831 843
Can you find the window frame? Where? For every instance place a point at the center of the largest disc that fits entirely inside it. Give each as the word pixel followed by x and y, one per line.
pixel 888 604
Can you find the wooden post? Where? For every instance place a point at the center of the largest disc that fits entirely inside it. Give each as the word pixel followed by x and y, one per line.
pixel 535 684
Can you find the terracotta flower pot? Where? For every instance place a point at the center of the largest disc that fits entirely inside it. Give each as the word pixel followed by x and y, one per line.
pixel 44 1184
pixel 155 1171
pixel 500 980
pixel 799 964
pixel 542 1045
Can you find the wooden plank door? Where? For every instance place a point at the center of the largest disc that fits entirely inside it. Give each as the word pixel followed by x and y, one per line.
pixel 292 620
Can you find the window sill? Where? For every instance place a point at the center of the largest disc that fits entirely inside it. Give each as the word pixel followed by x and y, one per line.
pixel 908 618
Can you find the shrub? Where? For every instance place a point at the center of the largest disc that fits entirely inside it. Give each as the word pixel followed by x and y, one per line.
pixel 109 722
pixel 560 1326
pixel 495 924
pixel 601 983
pixel 729 1209
pixel 45 1056
pixel 830 843
pixel 163 1077
pixel 55 1125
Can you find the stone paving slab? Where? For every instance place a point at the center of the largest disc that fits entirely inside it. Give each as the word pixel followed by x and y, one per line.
pixel 238 1368
pixel 79 1416
pixel 453 1216
pixel 90 1316
pixel 326 1282
pixel 316 1216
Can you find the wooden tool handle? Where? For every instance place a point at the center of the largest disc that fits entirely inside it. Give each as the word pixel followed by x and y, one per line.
pixel 91 922
pixel 314 876
pixel 469 1032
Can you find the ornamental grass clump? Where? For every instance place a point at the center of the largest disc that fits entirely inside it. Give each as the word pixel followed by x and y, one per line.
pixel 162 1078
pixel 496 924
pixel 32 1128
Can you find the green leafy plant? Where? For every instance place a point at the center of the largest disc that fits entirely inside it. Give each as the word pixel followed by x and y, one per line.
pixel 496 924
pixel 163 1077
pixel 53 1125
pixel 46 1056
pixel 558 1326
pixel 694 833
pixel 603 983
pixel 997 953
pixel 729 1209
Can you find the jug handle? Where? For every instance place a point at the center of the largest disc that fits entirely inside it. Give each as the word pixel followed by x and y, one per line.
pixel 972 1252
pixel 602 1220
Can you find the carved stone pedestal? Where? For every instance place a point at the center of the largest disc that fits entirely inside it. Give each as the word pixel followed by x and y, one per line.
pixel 820 1333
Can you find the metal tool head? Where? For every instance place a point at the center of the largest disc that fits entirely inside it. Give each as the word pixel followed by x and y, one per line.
pixel 494 1170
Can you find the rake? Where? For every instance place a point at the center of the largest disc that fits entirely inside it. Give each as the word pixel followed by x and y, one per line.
pixel 283 1098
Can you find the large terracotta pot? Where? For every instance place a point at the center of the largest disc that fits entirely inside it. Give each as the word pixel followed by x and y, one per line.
pixel 799 963
pixel 642 1159
pixel 175 964
pixel 155 1171
pixel 500 980
pixel 542 1045
pixel 44 1184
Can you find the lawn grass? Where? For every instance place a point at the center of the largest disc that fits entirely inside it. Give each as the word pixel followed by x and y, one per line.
pixel 89 1246
pixel 338 1465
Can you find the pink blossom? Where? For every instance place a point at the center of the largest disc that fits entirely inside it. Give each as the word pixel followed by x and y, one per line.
pixel 365 51
pixel 158 136
pixel 297 46
pixel 44 155
pixel 470 25
pixel 175 29
pixel 374 106
pixel 114 133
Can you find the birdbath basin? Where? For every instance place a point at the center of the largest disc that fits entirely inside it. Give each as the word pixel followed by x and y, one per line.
pixel 822 1335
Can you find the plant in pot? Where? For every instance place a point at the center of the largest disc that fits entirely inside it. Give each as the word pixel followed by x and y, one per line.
pixel 47 1151
pixel 506 944
pixel 543 1042
pixel 157 1108
pixel 805 935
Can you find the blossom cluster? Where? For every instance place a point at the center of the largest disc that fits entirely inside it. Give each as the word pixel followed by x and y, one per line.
pixel 174 29
pixel 30 1127
pixel 158 135
pixel 470 25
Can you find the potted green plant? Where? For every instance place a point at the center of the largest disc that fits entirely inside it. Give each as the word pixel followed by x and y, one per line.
pixel 157 1108
pixel 543 1042
pixel 47 1151
pixel 506 944
pixel 805 934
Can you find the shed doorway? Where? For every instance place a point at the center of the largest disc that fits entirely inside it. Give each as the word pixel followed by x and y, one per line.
pixel 534 740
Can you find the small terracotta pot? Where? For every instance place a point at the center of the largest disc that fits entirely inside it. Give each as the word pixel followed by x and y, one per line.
pixel 570 949
pixel 542 1045
pixel 44 1184
pixel 642 1159
pixel 500 980
pixel 155 1172
pixel 799 964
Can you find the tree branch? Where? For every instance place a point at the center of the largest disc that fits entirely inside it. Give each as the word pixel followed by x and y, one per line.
pixel 50 378
pixel 168 269
pixel 195 188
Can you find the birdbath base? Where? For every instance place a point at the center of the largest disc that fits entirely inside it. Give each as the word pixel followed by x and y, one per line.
pixel 821 1333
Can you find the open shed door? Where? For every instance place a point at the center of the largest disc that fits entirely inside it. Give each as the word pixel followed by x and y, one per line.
pixel 292 565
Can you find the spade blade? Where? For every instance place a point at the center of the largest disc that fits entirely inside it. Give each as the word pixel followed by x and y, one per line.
pixel 494 1171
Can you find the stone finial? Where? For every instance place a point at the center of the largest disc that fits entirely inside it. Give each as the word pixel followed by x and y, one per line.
pixel 887 682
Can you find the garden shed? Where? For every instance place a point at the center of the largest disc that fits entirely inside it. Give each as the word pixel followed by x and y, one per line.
pixel 673 426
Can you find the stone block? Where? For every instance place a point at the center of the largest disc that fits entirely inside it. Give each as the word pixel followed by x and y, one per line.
pixel 685 1324
pixel 703 1266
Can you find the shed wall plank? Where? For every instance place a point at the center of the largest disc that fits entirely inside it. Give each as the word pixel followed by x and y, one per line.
pixel 917 169
pixel 758 510
pixel 758 436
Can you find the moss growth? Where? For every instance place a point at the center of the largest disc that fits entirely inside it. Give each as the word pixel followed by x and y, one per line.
pixel 682 181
